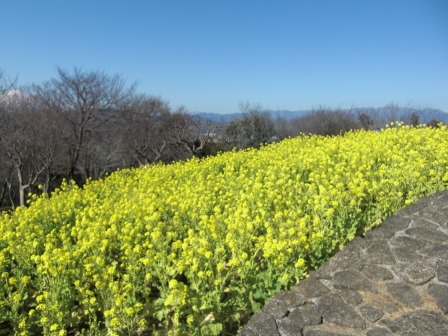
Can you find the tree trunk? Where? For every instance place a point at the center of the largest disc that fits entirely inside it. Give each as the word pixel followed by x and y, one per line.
pixel 22 187
pixel 2 196
pixel 22 195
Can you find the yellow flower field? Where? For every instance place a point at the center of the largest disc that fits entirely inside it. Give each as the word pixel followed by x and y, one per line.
pixel 194 248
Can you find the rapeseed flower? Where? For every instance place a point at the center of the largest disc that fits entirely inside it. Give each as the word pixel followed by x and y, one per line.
pixel 170 245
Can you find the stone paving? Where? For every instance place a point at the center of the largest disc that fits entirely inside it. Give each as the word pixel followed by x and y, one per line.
pixel 394 281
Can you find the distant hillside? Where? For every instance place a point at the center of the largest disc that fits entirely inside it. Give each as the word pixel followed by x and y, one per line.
pixel 386 114
pixel 429 114
pixel 216 117
pixel 379 114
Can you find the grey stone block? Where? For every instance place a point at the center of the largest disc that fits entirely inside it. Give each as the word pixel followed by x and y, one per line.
pixel 407 242
pixel 425 224
pixel 395 223
pixel 261 325
pixel 405 294
pixel 350 297
pixel 348 257
pixel 417 273
pixel 436 251
pixel 352 280
pixel 379 332
pixel 440 217
pixel 419 323
pixel 406 254
pixel 440 293
pixel 313 332
pixel 428 235
pixel 380 253
pixel 442 272
pixel 336 311
pixel 371 313
pixel 377 273
pixel 279 305
pixel 302 316
pixel 310 288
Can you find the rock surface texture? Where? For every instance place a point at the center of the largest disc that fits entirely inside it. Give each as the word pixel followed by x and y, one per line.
pixel 394 281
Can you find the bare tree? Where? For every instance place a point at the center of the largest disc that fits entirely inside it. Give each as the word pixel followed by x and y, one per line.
pixel 190 133
pixel 5 167
pixel 104 154
pixel 87 100
pixel 146 124
pixel 434 123
pixel 6 83
pixel 253 129
pixel 6 178
pixel 27 142
pixel 324 121
pixel 282 128
pixel 414 119
pixel 392 111
pixel 366 121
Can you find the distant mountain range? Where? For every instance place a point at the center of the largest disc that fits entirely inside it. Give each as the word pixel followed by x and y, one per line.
pixel 216 117
pixel 403 114
pixel 377 114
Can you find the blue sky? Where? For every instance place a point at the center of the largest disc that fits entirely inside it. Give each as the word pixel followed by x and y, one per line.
pixel 212 55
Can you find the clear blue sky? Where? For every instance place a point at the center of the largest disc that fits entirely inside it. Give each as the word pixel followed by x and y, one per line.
pixel 211 55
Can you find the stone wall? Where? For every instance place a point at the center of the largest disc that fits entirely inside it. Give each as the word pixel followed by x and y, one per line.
pixel 394 281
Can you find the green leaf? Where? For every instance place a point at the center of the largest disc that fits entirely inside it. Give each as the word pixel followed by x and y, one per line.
pixel 213 329
pixel 255 306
